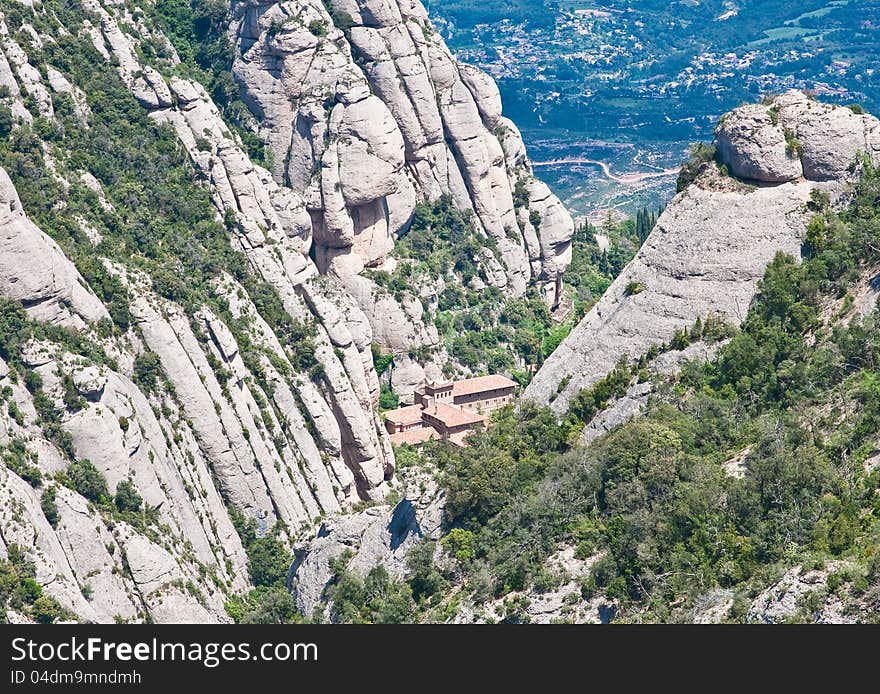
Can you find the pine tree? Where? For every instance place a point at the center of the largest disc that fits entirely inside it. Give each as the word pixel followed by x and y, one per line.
pixel 604 266
pixel 645 221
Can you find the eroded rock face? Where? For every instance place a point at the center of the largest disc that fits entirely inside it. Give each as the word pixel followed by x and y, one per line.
pixel 273 229
pixel 715 239
pixel 371 537
pixel 705 256
pixel 380 535
pixel 364 121
pixel 794 136
pixel 35 271
pixel 786 599
pixel 831 138
pixel 368 118
pixel 375 114
pixel 752 142
pixel 633 402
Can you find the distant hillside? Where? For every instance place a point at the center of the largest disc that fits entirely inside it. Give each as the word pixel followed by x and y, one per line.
pixel 632 84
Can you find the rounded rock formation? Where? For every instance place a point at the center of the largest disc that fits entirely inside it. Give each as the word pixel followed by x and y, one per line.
pixel 752 144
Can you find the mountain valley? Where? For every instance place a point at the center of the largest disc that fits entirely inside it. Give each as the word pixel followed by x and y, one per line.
pixel 242 242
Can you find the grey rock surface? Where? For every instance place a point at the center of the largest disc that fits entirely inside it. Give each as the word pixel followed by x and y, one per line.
pixel 793 136
pixel 714 240
pixel 704 257
pixel 377 116
pixel 786 598
pixel 35 271
pixel 752 142
pixel 378 535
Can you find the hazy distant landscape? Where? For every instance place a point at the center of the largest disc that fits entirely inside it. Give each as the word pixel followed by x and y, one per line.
pixel 631 84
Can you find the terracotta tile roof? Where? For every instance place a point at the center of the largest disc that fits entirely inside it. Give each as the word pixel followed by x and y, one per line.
pixel 453 416
pixel 481 384
pixel 405 415
pixel 414 436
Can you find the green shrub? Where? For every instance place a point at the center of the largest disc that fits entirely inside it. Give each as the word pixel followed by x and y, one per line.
pixel 634 288
pixel 28 590
pixel 127 498
pixel 793 145
pixel 88 481
pixel 7 120
pixel 46 610
pixel 381 362
pixel 388 399
pixel 147 369
pixel 554 338
pixel 49 507
pixel 18 459
pixel 318 27
pixel 701 154
pixel 73 401
pixel 460 543
pixel 268 561
pixel 264 606
pixel 375 598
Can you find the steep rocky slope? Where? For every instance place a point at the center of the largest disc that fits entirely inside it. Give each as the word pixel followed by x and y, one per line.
pixel 223 370
pixel 366 112
pixel 708 481
pixel 711 245
pixel 371 115
pixel 187 328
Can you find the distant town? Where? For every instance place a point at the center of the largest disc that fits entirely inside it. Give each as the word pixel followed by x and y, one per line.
pixel 511 51
pixel 623 88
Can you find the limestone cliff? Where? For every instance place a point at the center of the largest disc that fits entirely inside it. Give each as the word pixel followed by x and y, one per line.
pixel 367 112
pixel 221 410
pixel 714 240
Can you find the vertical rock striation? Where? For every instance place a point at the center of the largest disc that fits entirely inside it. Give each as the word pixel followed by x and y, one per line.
pixel 211 412
pixel 367 111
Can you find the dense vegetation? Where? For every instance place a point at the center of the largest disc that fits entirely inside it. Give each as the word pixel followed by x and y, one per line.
pixel 268 563
pixel 197 30
pixel 380 598
pixel 158 220
pixel 20 591
pixel 593 268
pixel 482 329
pixel 793 396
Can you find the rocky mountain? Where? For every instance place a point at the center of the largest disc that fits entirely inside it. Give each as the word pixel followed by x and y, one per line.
pixel 187 347
pixel 365 112
pixel 225 233
pixel 714 240
pixel 685 469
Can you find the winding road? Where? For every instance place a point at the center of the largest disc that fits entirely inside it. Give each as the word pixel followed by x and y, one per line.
pixel 627 179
